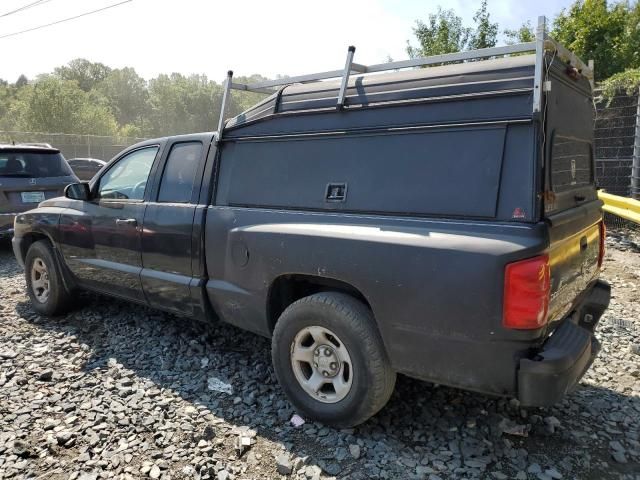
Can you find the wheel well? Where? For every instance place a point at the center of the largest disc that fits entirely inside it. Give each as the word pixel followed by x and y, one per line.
pixel 286 289
pixel 28 240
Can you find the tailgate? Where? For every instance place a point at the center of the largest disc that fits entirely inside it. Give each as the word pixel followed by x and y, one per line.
pixel 573 258
pixel 571 206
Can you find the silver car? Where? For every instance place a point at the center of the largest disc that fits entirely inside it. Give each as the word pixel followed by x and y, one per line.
pixel 29 174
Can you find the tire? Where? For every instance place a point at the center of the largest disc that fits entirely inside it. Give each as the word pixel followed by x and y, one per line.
pixel 45 287
pixel 360 381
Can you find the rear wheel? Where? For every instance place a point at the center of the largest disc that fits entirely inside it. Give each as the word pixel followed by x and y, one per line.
pixel 44 280
pixel 330 360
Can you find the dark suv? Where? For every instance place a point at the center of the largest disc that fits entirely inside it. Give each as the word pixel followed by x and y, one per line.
pixel 29 174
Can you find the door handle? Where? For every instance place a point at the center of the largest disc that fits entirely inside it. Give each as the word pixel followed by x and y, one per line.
pixel 132 222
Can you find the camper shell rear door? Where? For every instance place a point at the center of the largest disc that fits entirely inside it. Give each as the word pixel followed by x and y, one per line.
pixel 570 202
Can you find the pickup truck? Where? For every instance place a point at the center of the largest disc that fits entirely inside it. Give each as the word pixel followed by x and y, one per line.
pixel 437 225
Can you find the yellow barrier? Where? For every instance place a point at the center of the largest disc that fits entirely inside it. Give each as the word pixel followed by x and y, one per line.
pixel 627 208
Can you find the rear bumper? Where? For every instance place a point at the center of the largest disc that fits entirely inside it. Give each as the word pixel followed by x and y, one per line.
pixel 565 357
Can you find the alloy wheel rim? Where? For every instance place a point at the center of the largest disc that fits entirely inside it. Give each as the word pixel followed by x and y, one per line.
pixel 321 364
pixel 40 280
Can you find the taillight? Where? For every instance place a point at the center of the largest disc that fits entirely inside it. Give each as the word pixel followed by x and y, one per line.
pixel 603 240
pixel 527 286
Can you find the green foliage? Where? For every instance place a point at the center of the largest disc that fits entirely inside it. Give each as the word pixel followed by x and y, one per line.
pixel 607 33
pixel 59 106
pixel 22 81
pixel 7 97
pixel 486 33
pixel 85 73
pixel 627 82
pixel 91 98
pixel 180 104
pixel 127 95
pixel 443 33
pixel 523 34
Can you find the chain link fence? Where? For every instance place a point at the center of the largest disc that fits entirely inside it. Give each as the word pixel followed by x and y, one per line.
pixel 74 146
pixel 616 133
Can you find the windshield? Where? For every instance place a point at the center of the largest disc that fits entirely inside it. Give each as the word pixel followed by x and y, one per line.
pixel 33 164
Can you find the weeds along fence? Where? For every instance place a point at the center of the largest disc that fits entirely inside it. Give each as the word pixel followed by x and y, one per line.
pixel 74 146
pixel 617 143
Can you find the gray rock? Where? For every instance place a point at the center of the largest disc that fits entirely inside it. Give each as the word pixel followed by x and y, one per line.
pixel 354 450
pixel 619 456
pixel 553 473
pixel 616 446
pixel 333 468
pixel 154 472
pixel 88 476
pixel 422 471
pixel 283 464
pixel 534 468
pixel 512 428
pixel 50 423
pixel 22 449
pixel 312 471
pixel 63 437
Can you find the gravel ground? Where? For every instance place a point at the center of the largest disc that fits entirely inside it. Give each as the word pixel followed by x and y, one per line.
pixel 114 390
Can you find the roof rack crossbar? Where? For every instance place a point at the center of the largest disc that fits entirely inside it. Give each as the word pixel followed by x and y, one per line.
pixel 543 43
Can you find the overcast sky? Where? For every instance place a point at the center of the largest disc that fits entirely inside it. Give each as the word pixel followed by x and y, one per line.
pixel 199 36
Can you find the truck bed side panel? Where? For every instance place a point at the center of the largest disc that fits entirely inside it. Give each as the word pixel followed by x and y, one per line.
pixel 436 270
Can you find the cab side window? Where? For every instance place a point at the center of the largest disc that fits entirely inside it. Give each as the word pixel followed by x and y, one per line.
pixel 127 179
pixel 178 179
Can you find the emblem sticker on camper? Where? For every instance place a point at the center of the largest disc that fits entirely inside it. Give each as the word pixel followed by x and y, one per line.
pixel 518 213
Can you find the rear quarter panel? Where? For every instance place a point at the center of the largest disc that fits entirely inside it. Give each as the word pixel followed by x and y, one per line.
pixel 435 287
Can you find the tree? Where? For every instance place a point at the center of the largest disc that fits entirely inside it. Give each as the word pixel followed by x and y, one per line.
pixel 523 34
pixel 180 104
pixel 443 33
pixel 127 95
pixel 608 34
pixel 7 97
pixel 486 33
pixel 85 73
pixel 22 81
pixel 60 106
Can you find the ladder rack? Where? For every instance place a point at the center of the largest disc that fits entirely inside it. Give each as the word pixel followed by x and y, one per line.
pixel 543 43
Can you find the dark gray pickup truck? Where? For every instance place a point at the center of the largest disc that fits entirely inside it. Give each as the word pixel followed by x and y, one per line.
pixel 438 222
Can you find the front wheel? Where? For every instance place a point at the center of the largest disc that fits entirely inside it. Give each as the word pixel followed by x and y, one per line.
pixel 330 360
pixel 46 291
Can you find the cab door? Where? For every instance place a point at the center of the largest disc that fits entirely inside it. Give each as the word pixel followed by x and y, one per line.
pixel 170 241
pixel 101 239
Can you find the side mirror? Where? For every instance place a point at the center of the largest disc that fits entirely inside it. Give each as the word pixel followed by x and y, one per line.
pixel 78 191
